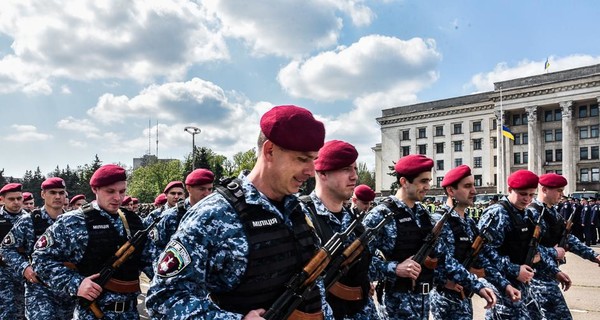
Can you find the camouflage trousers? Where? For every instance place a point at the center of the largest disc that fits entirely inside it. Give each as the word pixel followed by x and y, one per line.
pixel 41 303
pixel 12 295
pixel 551 299
pixel 448 306
pixel 406 305
pixel 527 308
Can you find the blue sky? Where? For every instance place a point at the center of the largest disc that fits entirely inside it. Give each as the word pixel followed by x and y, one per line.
pixel 79 78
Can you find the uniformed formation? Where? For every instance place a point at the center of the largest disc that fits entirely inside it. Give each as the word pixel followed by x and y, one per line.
pixel 249 250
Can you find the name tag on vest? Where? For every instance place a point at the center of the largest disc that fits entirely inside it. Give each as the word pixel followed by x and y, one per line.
pixel 464 239
pixel 100 226
pixel 524 229
pixel 264 223
pixel 405 220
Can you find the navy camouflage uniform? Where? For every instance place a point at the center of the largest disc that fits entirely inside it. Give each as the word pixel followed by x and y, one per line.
pixel 446 304
pixel 399 304
pixel 208 256
pixel 67 241
pixel 544 283
pixel 12 290
pixel 500 270
pixel 368 310
pixel 41 302
pixel 155 213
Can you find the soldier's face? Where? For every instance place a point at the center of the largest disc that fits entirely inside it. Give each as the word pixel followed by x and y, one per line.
pixel 28 205
pixel 521 198
pixel 78 204
pixel 465 193
pixel 54 198
pixel 417 190
pixel 288 169
pixel 174 195
pixel 361 205
pixel 110 197
pixel 199 192
pixel 552 195
pixel 339 183
pixel 13 201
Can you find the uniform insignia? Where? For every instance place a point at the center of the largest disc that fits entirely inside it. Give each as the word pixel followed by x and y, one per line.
pixel 8 240
pixel 405 220
pixel 44 242
pixel 263 223
pixel 173 260
pixel 153 234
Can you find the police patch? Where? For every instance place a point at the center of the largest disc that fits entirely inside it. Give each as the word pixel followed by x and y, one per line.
pixel 8 240
pixel 153 234
pixel 173 260
pixel 44 242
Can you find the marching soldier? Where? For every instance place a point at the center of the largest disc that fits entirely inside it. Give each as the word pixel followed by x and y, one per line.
pixel 12 290
pixel 454 283
pixel 172 193
pixel 41 302
pixel 28 201
pixel 77 202
pixel 88 238
pixel 362 200
pixel 234 251
pixel 400 239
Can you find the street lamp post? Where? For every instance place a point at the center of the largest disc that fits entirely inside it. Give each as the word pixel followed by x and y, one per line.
pixel 193 131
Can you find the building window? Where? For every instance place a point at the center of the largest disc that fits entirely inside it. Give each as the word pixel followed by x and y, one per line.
pixel 593 110
pixel 439 147
pixel 457 146
pixel 476 144
pixel 495 161
pixel 517 138
pixel 405 135
pixel 525 157
pixel 439 181
pixel 478 180
pixel 594 131
pixel 422 148
pixel 558 155
pixel 595 174
pixel 549 154
pixel 583 112
pixel 525 138
pixel 552 115
pixel 583 153
pixel 477 126
pixel 457 128
pixel 517 158
pixel 457 162
pixel 557 115
pixel 516 120
pixel 584 175
pixel 548 115
pixel 548 136
pixel 405 151
pixel 495 142
pixel 494 123
pixel 422 133
pixel 477 162
pixel 594 153
pixel 583 133
pixel 558 135
pixel 439 165
pixel 439 131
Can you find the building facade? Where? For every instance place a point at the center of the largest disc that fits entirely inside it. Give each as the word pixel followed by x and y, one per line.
pixel 553 117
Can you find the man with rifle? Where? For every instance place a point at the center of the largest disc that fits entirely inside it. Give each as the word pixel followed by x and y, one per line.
pixel 407 284
pixel 88 239
pixel 361 200
pixel 235 251
pixel 336 177
pixel 455 283
pixel 556 238
pixel 504 258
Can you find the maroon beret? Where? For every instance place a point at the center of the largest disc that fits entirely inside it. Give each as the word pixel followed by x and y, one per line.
pixel 173 184
pixel 293 128
pixel 53 183
pixel 199 176
pixel 76 198
pixel 11 187
pixel 455 175
pixel 160 200
pixel 126 201
pixel 335 154
pixel 553 180
pixel 413 165
pixel 135 200
pixel 107 175
pixel 27 196
pixel 364 193
pixel 523 179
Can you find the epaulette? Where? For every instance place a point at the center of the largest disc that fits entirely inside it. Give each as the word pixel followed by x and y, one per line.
pixel 88 208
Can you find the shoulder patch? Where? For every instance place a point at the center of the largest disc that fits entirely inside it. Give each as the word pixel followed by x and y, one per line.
pixel 8 240
pixel 153 235
pixel 173 260
pixel 44 242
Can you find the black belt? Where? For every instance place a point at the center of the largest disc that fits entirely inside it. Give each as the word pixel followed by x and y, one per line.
pixel 420 288
pixel 120 306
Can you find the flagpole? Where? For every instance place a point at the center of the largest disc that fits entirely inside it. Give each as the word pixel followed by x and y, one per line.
pixel 500 156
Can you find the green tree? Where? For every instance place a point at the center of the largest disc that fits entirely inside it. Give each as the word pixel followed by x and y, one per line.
pixel 32 182
pixel 366 176
pixel 244 161
pixel 145 183
pixel 394 186
pixel 2 178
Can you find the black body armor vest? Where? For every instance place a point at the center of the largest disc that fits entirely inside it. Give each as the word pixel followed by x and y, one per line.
pixel 275 255
pixel 516 241
pixel 104 241
pixel 5 224
pixel 462 242
pixel 555 227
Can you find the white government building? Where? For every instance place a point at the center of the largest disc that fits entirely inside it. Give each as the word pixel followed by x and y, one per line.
pixel 553 117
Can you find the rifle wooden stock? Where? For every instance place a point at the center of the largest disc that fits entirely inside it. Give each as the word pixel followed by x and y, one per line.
pixel 535 240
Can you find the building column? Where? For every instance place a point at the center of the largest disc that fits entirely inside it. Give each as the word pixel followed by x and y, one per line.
pixel 533 146
pixel 568 162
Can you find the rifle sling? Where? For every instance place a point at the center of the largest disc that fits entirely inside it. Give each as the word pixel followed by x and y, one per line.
pixel 345 292
pixel 121 286
pixel 125 223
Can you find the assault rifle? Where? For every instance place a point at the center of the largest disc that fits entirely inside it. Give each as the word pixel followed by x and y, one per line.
pixel 340 266
pixel 421 256
pixel 114 263
pixel 535 239
pixel 564 238
pixel 482 238
pixel 301 283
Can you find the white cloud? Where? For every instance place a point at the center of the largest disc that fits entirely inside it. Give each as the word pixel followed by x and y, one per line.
pixel 26 133
pixel 77 144
pixel 373 64
pixel 484 81
pixel 81 126
pixel 287 28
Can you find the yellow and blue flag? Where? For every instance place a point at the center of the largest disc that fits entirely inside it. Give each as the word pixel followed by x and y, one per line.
pixel 546 65
pixel 507 133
